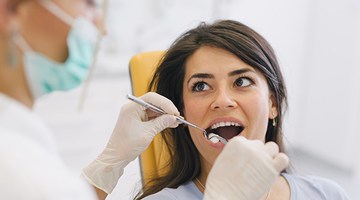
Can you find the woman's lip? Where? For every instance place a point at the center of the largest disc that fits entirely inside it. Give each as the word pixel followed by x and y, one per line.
pixel 225 119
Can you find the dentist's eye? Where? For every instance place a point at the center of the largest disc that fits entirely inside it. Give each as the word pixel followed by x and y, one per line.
pixel 243 82
pixel 200 86
pixel 93 3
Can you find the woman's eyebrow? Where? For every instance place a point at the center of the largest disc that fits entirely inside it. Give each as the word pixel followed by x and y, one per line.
pixel 200 75
pixel 240 71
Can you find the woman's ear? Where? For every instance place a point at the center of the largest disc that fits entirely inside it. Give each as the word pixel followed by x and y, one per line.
pixel 8 17
pixel 273 112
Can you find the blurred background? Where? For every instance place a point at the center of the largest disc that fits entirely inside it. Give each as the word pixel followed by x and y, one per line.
pixel 317 43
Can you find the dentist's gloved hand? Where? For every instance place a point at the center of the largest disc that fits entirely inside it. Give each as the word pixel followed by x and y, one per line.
pixel 245 170
pixel 134 131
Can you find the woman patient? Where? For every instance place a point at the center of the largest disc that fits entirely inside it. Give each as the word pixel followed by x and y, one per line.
pixel 225 78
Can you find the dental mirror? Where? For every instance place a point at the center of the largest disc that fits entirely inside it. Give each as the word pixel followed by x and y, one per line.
pixel 214 138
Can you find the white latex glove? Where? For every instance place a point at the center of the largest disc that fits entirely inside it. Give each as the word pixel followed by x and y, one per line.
pixel 244 170
pixel 132 135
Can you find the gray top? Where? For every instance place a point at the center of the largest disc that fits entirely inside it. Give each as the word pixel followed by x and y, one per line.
pixel 301 188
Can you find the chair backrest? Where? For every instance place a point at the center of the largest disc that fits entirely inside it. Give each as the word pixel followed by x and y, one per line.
pixel 142 66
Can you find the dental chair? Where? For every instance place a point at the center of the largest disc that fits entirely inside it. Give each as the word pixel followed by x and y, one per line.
pixel 141 68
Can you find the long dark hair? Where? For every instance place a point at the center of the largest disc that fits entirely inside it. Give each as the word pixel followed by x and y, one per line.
pixel 232 36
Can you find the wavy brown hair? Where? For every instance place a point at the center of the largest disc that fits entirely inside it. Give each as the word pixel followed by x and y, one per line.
pixel 240 40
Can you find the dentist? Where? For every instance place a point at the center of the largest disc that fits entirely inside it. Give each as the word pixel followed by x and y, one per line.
pixel 48 46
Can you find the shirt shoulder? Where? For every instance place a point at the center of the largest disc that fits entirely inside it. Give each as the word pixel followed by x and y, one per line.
pixel 38 174
pixel 29 162
pixel 185 191
pixel 313 187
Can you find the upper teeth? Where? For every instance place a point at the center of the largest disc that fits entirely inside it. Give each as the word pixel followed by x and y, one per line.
pixel 222 124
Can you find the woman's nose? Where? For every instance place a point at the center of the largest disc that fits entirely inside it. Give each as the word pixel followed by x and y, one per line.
pixel 223 100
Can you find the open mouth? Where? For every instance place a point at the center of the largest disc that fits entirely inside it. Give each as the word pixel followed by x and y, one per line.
pixel 226 130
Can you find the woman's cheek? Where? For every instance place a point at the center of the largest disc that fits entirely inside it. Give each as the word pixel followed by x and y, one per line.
pixel 257 111
pixel 193 111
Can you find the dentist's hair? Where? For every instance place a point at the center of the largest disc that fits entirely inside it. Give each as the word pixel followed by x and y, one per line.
pixel 240 40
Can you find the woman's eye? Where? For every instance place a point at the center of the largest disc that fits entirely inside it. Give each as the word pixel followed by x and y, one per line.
pixel 243 82
pixel 200 86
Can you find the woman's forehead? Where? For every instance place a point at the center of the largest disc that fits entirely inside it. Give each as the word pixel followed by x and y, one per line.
pixel 213 59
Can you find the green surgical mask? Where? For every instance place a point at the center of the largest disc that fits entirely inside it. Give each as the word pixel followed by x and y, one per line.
pixel 45 75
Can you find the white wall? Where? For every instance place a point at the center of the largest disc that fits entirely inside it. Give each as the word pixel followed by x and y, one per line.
pixel 329 97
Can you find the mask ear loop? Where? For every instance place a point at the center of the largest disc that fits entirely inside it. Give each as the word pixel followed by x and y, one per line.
pixel 57 11
pixel 13 53
pixel 21 43
pixel 88 79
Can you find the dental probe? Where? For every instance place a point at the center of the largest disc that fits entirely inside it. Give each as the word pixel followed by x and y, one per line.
pixel 180 119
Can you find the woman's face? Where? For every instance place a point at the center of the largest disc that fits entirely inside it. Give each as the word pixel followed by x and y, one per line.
pixel 224 95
